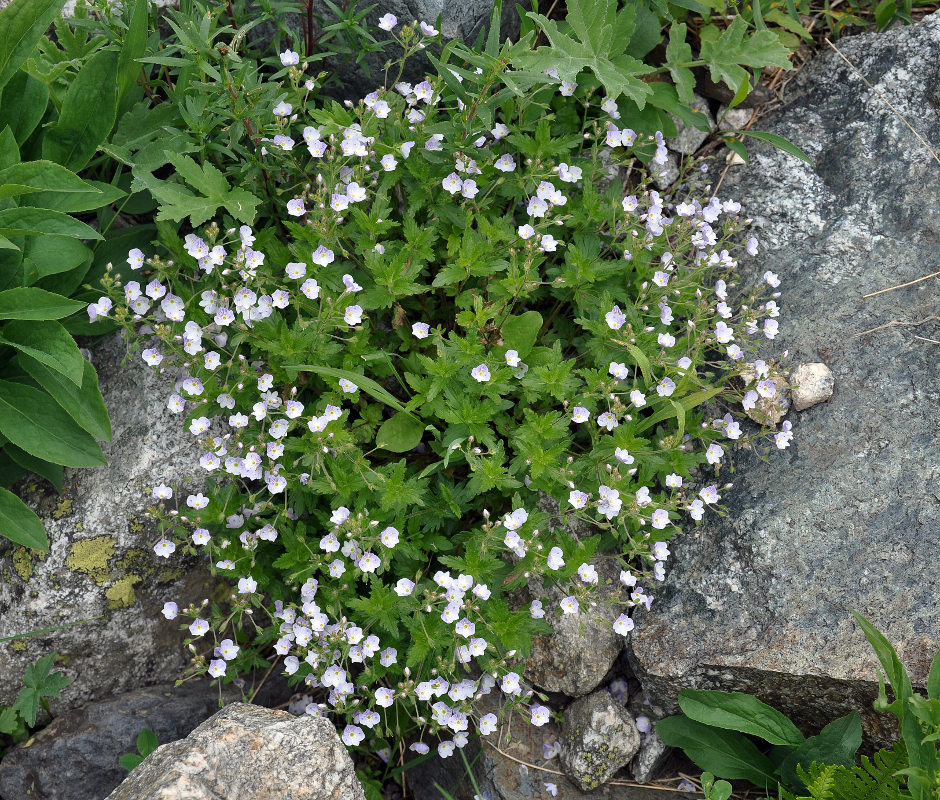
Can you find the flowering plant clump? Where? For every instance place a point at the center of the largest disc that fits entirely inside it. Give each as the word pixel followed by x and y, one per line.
pixel 455 313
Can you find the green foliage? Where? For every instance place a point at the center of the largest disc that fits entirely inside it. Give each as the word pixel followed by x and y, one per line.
pixel 821 767
pixel 40 684
pixel 146 744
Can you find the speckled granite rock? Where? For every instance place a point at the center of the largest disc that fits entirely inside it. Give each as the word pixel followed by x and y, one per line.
pixel 246 751
pixel 598 738
pixel 101 563
pixel 850 514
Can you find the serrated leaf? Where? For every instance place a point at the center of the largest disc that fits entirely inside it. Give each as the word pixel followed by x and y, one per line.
pixel 9 720
pixel 727 54
pixel 678 56
pixel 593 22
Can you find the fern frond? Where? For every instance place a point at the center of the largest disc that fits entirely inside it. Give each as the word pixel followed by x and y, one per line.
pixel 873 780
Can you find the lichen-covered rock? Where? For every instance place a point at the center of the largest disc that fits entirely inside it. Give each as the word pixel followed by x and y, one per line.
pixel 811 384
pixel 649 758
pixel 598 738
pixel 101 566
pixel 246 751
pixel 847 516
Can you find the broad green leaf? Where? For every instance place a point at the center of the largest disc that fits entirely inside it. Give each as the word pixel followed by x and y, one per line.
pixel 49 343
pixel 726 54
pixel 688 403
pixel 727 754
pixel 520 331
pixel 33 421
pixel 399 433
pixel 29 221
pixel 146 742
pixel 779 17
pixel 741 712
pixel 97 195
pixel 23 104
pixel 86 406
pixel 664 96
pixel 678 57
pixel 9 151
pixel 641 361
pixel 135 46
pixel 87 114
pixel 45 469
pixel 53 255
pixel 778 142
pixel 19 524
pixel 647 32
pixel 22 24
pixel 837 743
pixel 30 303
pixel 36 176
pixel 737 146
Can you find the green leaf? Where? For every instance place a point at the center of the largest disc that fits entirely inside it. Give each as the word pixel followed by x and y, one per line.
pixel 367 385
pixel 837 743
pixel 778 142
pixel 31 303
pixel 43 222
pixel 39 676
pixel 36 176
pixel 602 39
pixel 52 255
pixel 32 420
pixel 399 433
pixel 130 761
pixel 23 104
pixel 20 525
pixel 9 719
pixel 725 753
pixel 49 343
pixel 147 742
pixel 22 25
pixel 87 114
pixel 135 46
pixel 933 678
pixel 52 472
pixel 890 663
pixel 520 331
pixel 678 56
pixel 727 54
pixel 97 195
pixel 9 151
pixel 86 406
pixel 736 146
pixel 741 712
pixel 212 183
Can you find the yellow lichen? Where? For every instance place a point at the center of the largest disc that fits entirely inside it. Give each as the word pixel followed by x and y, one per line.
pixel 18 646
pixel 22 563
pixel 121 594
pixel 62 509
pixel 91 556
pixel 135 525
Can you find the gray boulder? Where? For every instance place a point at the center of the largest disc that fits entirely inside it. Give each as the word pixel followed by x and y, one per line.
pixel 598 738
pixel 246 751
pixel 849 515
pixel 101 570
pixel 75 757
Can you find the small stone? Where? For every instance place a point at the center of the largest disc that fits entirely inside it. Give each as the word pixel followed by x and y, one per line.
pixel 598 738
pixel 688 138
pixel 649 758
pixel 811 384
pixel 735 119
pixel 665 175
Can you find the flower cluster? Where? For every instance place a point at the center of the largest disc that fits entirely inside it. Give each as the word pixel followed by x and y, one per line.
pixel 450 313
